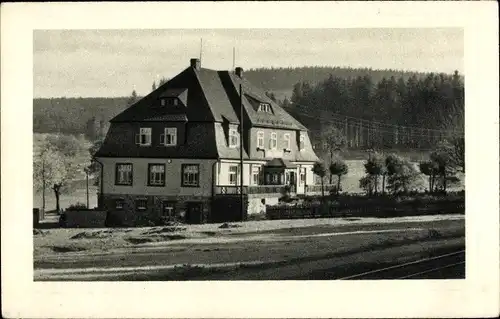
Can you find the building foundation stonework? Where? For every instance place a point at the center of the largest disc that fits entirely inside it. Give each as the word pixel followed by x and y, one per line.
pixel 124 210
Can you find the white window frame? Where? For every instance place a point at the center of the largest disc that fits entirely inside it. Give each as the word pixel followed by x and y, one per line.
pixel 286 138
pixel 187 172
pixel 256 172
pixel 265 107
pixel 302 142
pixel 146 132
pixel 302 173
pixel 144 207
pixel 231 173
pixel 169 132
pixel 168 208
pixel 233 133
pixel 119 203
pixel 260 139
pixel 156 178
pixel 124 174
pixel 273 142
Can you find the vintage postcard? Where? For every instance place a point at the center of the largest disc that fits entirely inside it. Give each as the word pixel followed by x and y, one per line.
pixel 301 158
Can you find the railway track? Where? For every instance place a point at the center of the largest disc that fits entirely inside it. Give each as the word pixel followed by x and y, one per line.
pixel 419 269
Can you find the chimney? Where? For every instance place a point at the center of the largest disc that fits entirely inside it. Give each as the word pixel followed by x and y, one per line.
pixel 196 64
pixel 239 72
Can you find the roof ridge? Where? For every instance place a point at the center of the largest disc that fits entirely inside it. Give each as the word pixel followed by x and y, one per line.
pixel 203 93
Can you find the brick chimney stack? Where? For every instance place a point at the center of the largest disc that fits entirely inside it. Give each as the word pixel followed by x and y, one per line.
pixel 239 72
pixel 196 64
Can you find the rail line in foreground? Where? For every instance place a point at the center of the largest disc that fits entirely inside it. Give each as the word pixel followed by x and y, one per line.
pixel 416 269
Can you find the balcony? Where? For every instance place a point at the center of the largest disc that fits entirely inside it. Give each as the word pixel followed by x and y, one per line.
pixel 254 189
pixel 272 189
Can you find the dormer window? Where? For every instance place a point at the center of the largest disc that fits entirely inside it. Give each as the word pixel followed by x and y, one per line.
pixel 265 107
pixel 169 102
pixel 234 140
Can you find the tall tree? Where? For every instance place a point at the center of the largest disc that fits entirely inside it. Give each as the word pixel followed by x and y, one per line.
pixel 339 168
pixel 375 167
pixel 65 165
pixel 320 170
pixel 132 99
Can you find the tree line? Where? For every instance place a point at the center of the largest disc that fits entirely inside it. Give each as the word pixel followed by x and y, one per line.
pixel 431 101
pixel 284 78
pixel 394 174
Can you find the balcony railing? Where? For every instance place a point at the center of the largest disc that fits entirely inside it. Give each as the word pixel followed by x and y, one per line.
pixel 317 188
pixel 253 189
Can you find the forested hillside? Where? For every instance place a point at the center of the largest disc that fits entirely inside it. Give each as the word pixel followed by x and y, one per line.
pixel 386 95
pixel 413 111
pixel 71 115
pixel 283 79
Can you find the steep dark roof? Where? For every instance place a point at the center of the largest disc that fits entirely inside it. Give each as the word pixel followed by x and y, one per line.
pixel 279 119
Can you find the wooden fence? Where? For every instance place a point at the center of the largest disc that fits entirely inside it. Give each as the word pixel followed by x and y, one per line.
pixel 338 210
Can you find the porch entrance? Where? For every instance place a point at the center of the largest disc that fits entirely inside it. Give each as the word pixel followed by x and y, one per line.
pixel 281 172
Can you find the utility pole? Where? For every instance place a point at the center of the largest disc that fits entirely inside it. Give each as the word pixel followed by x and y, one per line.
pixel 234 58
pixel 241 154
pixel 43 185
pixel 87 179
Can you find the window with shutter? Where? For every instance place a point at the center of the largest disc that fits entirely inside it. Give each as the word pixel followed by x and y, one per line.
pixel 170 136
pixel 144 138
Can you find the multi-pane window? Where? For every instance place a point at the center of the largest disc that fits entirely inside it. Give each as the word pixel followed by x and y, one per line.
pixel 233 137
pixel 286 138
pixel 123 174
pixel 169 209
pixel 141 204
pixel 273 143
pixel 302 139
pixel 233 175
pixel 260 139
pixel 190 175
pixel 119 202
pixel 169 102
pixel 144 136
pixel 255 175
pixel 170 137
pixel 156 176
pixel 265 107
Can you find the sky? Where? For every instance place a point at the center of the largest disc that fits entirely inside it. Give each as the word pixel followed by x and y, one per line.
pixel 110 63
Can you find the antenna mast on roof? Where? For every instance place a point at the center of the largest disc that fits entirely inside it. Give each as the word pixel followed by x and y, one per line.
pixel 201 49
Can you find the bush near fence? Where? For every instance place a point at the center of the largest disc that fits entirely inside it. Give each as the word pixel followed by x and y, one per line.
pixel 378 206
